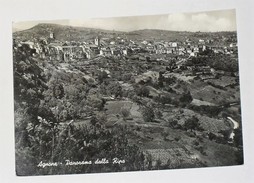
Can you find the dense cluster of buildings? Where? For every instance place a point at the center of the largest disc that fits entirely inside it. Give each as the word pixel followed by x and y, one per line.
pixel 69 51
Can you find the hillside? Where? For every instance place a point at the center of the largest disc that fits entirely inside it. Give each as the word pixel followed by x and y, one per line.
pixel 70 33
pixel 180 36
pixel 153 34
pixel 147 109
pixel 62 32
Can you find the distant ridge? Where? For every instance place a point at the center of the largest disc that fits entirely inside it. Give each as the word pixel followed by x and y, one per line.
pixel 72 33
pixel 62 32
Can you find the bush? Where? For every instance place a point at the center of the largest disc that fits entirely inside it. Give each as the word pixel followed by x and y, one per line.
pixel 143 91
pixel 173 123
pixel 148 114
pixel 195 143
pixel 210 111
pixel 192 123
pixel 158 114
pixel 102 76
pixel 201 149
pixel 115 89
pixel 177 138
pixel 69 142
pixel 125 112
pixel 186 98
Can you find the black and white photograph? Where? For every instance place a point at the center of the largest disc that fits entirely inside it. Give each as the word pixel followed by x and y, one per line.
pixel 136 93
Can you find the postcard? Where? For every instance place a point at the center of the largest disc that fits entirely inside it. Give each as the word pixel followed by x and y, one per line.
pixel 119 94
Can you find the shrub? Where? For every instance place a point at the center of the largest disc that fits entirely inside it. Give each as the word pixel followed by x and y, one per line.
pixel 158 114
pixel 192 123
pixel 143 91
pixel 186 98
pixel 177 138
pixel 148 114
pixel 125 112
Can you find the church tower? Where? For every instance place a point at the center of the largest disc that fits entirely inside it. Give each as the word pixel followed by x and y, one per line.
pixel 97 41
pixel 51 35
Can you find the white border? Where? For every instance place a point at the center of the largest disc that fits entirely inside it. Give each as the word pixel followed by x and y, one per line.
pixel 11 10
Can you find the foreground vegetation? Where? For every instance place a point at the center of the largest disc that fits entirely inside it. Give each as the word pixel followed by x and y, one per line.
pixel 125 108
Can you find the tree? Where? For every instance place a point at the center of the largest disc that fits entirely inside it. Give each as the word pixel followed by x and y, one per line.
pixel 160 79
pixel 125 112
pixel 158 114
pixel 238 140
pixel 173 123
pixel 148 114
pixel 114 88
pixel 95 102
pixel 186 98
pixel 192 123
pixel 158 164
pixel 58 91
pixel 143 91
pixel 226 134
pixel 102 76
pixel 94 120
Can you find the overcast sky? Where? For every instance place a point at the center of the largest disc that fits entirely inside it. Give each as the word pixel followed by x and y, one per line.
pixel 212 21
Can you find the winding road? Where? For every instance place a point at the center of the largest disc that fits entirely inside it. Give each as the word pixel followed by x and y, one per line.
pixel 236 125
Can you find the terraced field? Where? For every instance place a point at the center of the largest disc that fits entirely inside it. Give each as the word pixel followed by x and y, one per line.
pixel 207 93
pixel 172 156
pixel 223 81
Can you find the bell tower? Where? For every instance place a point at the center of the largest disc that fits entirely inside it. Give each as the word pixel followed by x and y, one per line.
pixel 51 35
pixel 97 41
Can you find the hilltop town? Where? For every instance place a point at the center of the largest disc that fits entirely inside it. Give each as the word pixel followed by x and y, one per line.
pixel 157 99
